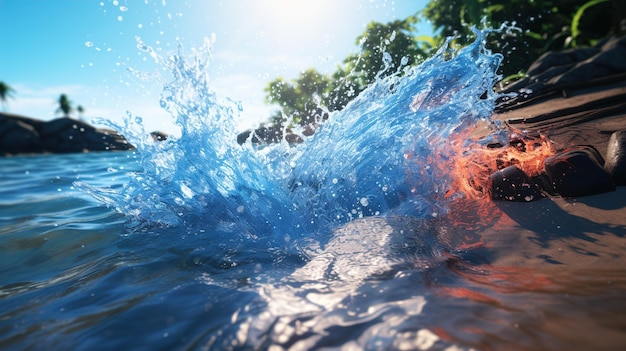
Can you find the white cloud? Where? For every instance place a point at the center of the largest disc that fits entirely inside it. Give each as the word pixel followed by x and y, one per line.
pixel 40 103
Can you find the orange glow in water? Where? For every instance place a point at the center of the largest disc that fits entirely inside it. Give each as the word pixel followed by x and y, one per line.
pixel 472 164
pixel 468 166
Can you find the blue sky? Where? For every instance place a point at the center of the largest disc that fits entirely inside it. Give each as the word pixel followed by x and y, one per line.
pixel 86 48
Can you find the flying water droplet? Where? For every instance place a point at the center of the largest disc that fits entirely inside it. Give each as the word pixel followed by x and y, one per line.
pixel 364 202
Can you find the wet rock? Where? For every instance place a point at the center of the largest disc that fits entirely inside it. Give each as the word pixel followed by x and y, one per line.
pixel 513 184
pixel 578 171
pixel 616 157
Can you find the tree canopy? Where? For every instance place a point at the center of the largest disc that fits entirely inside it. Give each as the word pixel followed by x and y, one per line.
pixel 535 27
pixel 541 25
pixel 384 50
pixel 301 99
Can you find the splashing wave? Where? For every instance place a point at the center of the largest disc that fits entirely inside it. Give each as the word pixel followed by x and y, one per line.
pixel 385 153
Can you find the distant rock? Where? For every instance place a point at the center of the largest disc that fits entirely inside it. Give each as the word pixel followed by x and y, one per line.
pixel 276 134
pixel 273 134
pixel 262 135
pixel 23 135
pixel 159 136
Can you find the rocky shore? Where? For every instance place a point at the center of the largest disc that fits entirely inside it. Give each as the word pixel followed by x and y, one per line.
pixel 24 135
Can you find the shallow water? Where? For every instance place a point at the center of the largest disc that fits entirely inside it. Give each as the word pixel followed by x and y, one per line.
pixel 353 239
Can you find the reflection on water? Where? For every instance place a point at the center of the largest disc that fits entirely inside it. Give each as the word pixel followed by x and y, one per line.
pixel 378 283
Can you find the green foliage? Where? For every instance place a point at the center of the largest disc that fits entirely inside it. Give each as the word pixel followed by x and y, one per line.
pixel 542 25
pixel 384 49
pixel 5 92
pixel 577 25
pixel 300 99
pixel 532 27
pixel 65 106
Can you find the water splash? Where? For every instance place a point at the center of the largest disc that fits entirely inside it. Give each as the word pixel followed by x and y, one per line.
pixel 385 153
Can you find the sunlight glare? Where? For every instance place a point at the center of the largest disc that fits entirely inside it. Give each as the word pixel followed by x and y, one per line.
pixel 286 22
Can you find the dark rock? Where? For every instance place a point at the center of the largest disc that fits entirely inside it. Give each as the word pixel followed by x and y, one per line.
pixel 65 135
pixel 262 135
pixel 557 70
pixel 19 137
pixel 616 157
pixel 513 184
pixel 159 136
pixel 243 137
pixel 23 135
pixel 578 171
pixel 565 58
pixel 275 134
pixel 64 124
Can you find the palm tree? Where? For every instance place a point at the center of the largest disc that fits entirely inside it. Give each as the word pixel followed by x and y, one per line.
pixel 5 93
pixel 65 106
pixel 80 111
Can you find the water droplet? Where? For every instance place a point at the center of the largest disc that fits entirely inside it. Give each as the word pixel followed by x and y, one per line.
pixel 120 18
pixel 364 202
pixel 88 44
pixel 123 8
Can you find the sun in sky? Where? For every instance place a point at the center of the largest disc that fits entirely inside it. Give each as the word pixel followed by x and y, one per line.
pixel 89 49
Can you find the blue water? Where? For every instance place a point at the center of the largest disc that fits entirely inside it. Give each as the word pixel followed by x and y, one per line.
pixel 346 241
pixel 368 159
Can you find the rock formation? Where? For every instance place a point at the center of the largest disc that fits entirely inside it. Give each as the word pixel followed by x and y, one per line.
pixel 23 135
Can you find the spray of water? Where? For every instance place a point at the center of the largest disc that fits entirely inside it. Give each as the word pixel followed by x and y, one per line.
pixel 385 153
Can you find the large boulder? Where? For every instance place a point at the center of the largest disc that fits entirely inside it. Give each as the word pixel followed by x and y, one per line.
pixel 513 184
pixel 578 171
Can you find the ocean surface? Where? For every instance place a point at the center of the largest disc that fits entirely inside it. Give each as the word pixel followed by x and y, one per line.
pixel 364 236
